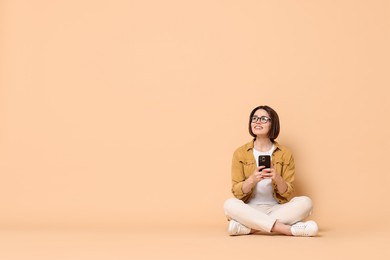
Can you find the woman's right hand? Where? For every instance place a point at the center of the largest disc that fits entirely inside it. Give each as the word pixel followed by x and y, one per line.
pixel 257 175
pixel 253 179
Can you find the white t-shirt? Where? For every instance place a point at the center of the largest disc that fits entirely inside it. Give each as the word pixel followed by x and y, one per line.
pixel 263 192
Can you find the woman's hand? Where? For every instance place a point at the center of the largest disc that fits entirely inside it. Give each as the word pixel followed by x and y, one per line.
pixel 253 179
pixel 271 173
pixel 262 173
pixel 258 175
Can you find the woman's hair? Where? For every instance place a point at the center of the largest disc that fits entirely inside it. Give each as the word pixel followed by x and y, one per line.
pixel 275 125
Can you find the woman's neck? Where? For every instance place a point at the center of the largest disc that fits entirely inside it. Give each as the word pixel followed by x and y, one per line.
pixel 263 144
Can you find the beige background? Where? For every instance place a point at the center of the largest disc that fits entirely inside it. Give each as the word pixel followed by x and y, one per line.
pixel 126 113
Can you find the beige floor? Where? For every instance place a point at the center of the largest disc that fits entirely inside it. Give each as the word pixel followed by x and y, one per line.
pixel 193 242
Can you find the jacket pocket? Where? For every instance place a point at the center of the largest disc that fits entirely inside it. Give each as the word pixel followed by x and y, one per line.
pixel 249 167
pixel 279 166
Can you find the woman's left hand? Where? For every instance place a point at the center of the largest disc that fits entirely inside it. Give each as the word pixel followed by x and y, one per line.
pixel 270 173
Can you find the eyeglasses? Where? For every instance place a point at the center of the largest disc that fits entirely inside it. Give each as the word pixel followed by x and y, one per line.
pixel 263 119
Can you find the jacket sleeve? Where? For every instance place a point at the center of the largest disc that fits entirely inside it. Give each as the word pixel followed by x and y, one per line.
pixel 238 178
pixel 288 174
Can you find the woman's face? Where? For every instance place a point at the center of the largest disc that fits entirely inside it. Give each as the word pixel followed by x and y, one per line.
pixel 260 127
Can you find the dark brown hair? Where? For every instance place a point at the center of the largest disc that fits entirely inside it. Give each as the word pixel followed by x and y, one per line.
pixel 275 125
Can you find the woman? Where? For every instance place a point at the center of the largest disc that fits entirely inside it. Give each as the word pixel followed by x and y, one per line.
pixel 264 196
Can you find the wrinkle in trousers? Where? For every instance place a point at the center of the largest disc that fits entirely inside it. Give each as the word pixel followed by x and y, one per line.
pixel 263 217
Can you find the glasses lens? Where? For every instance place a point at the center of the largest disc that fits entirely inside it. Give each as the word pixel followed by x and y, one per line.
pixel 264 119
pixel 254 119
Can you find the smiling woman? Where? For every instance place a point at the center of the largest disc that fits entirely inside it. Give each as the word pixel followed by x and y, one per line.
pixel 264 195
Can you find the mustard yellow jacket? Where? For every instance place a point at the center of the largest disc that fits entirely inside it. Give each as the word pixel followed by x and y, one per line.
pixel 244 164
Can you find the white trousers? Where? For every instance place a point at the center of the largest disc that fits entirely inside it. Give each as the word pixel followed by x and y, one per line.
pixel 263 217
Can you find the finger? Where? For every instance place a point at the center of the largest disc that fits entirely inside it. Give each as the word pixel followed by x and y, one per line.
pixel 258 176
pixel 267 173
pixel 260 168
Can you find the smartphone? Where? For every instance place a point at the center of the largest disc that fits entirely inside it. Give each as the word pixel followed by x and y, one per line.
pixel 265 160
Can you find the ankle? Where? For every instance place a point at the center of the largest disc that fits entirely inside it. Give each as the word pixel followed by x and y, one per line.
pixel 282 228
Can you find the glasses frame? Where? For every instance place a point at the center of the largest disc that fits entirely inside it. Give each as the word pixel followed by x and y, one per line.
pixel 262 119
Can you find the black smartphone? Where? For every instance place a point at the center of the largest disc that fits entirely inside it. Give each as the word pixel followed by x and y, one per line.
pixel 265 160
